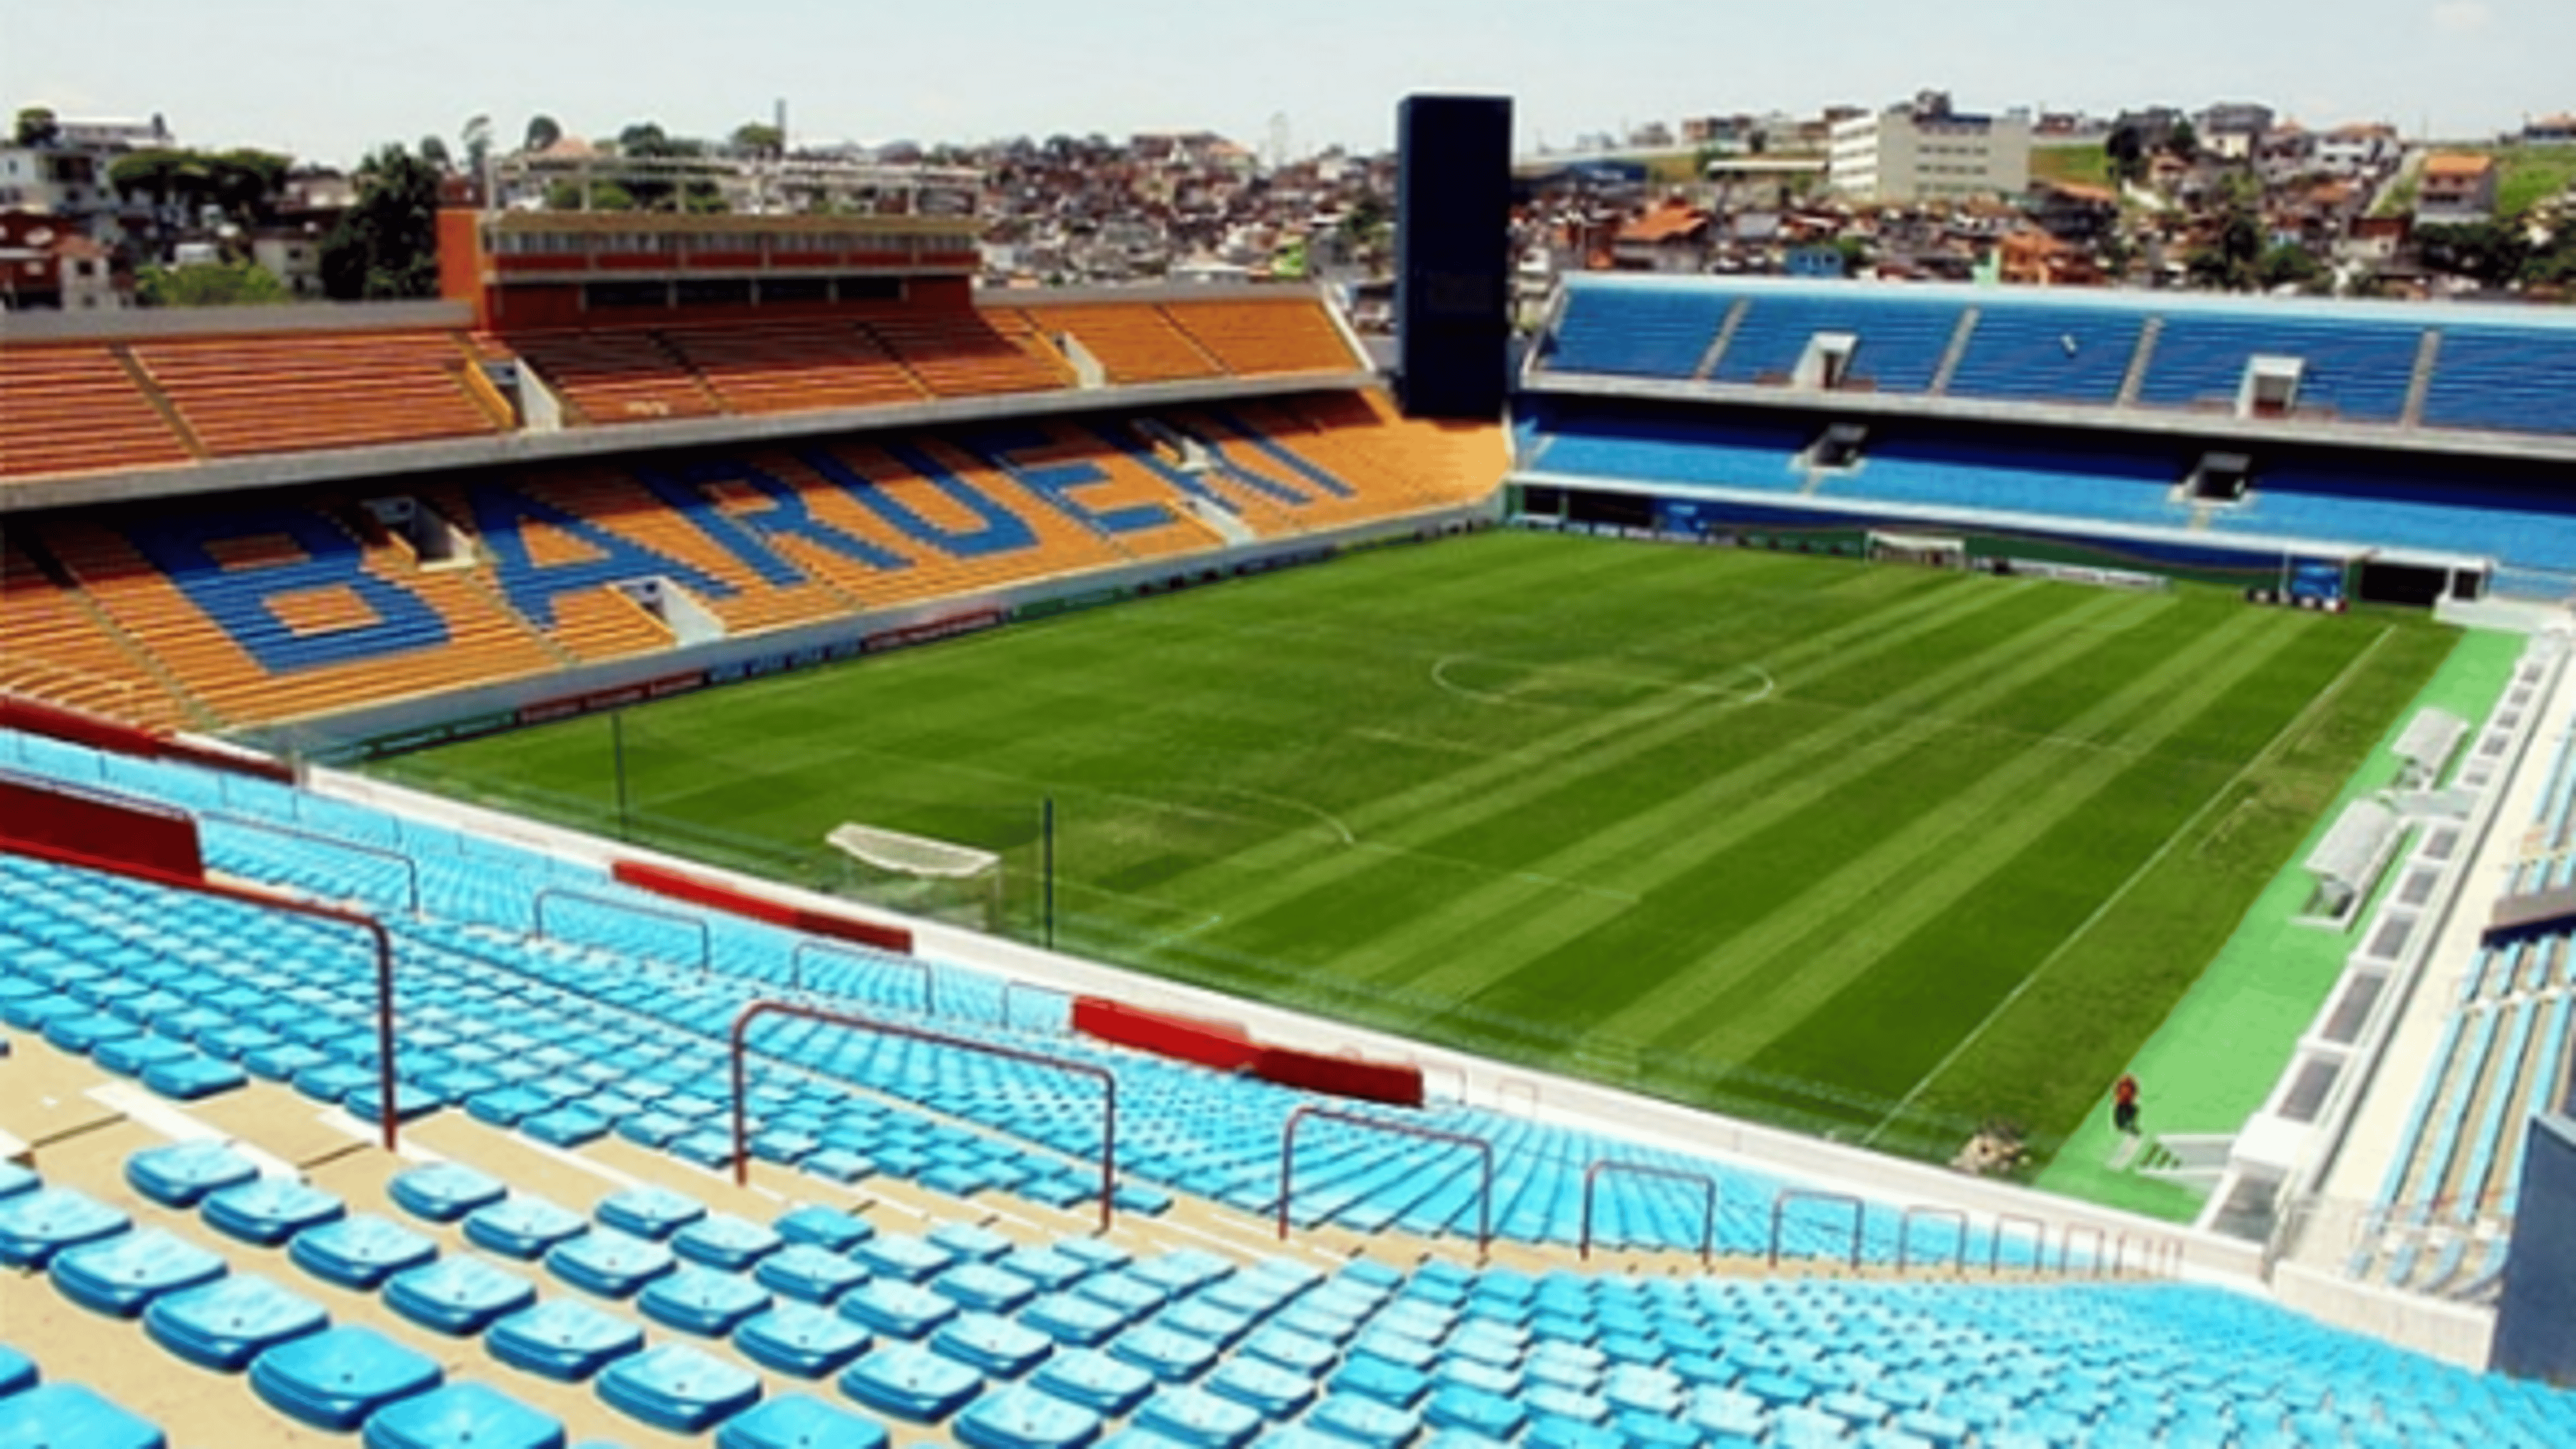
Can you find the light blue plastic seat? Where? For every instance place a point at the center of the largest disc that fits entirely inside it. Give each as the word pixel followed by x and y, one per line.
pixel 462 1416
pixel 609 1263
pixel 77 1417
pixel 336 1378
pixel 678 1388
pixel 801 1339
pixel 225 1324
pixel 269 1210
pixel 911 1382
pixel 702 1301
pixel 443 1192
pixel 180 1173
pixel 122 1275
pixel 1024 1417
pixel 459 1296
pixel 799 1421
pixel 360 1251
pixel 34 1226
pixel 563 1338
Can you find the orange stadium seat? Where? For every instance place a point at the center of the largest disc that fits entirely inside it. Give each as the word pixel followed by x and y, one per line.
pixel 1253 338
pixel 483 643
pixel 783 367
pixel 1360 437
pixel 262 610
pixel 1135 343
pixel 616 377
pixel 53 647
pixel 278 394
pixel 75 409
pixel 610 496
pixel 968 354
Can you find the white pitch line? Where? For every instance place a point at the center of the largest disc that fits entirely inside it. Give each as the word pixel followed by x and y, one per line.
pixel 1327 817
pixel 1440 677
pixel 1724 694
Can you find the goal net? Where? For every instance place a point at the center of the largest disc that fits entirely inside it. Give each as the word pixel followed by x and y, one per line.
pixel 936 879
pixel 1928 549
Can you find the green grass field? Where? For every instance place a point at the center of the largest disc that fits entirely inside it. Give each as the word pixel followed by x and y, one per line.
pixel 1870 851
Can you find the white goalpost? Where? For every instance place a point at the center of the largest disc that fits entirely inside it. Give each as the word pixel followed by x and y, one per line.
pixel 918 875
pixel 1929 550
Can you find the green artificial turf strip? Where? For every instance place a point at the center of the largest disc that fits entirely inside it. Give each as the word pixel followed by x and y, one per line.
pixel 1765 832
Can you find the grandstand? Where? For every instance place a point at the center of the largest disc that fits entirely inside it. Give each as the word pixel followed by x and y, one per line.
pixel 633 456
pixel 2417 453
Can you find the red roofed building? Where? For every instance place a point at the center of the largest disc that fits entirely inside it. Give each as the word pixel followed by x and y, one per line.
pixel 1672 236
pixel 2456 188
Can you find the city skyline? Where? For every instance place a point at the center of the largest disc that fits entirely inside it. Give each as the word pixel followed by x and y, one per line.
pixel 1334 70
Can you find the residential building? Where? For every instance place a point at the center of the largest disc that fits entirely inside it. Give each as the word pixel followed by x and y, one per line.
pixel 2230 129
pixel 48 265
pixel 1927 151
pixel 1672 237
pixel 2072 212
pixel 2558 130
pixel 2456 188
pixel 2362 149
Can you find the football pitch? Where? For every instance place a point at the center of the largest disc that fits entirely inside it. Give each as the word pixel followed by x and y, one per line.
pixel 1875 852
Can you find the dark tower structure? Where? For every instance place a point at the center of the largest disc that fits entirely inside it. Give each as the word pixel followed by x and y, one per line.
pixel 1452 237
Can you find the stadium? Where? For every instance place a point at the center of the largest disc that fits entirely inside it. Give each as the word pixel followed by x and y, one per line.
pixel 719 837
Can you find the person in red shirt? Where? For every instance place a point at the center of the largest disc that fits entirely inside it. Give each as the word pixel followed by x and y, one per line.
pixel 2124 1104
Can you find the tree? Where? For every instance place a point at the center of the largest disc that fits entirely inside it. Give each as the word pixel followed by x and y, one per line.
pixel 2489 252
pixel 434 151
pixel 759 138
pixel 209 284
pixel 244 184
pixel 38 126
pixel 2287 264
pixel 543 131
pixel 2231 260
pixel 2124 154
pixel 2183 143
pixel 386 246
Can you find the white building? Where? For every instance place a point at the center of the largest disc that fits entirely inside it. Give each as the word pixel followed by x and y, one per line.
pixel 2364 149
pixel 1925 151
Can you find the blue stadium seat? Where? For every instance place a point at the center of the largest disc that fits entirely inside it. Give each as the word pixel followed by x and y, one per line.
pixel 335 1379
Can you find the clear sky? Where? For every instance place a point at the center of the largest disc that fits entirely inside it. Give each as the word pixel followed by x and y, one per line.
pixel 327 80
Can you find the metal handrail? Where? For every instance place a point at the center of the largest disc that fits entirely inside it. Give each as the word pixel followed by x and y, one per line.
pixel 741 1109
pixel 1011 984
pixel 1905 1233
pixel 411 867
pixel 2066 1247
pixel 1603 1166
pixel 1780 1207
pixel 1288 1163
pixel 375 929
pixel 706 936
pixel 2038 1242
pixel 796 968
